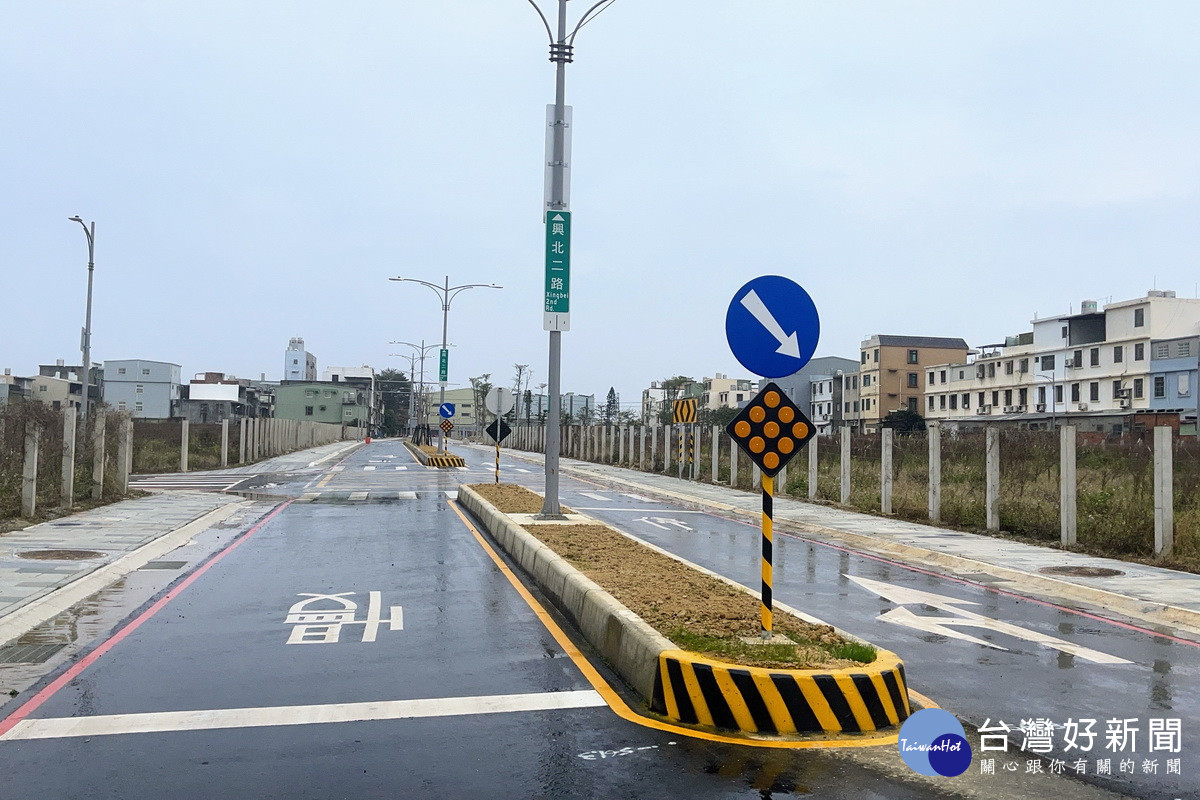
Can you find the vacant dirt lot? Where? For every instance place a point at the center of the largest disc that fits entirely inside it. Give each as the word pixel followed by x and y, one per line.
pixel 697 612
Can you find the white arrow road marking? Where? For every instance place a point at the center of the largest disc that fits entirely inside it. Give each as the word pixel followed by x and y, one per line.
pixel 788 344
pixel 663 522
pixel 942 625
pixel 592 496
pixel 648 521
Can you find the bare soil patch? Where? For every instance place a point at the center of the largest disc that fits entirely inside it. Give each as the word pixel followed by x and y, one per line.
pixel 697 612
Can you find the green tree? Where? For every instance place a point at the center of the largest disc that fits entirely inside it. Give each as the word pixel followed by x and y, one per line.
pixel 480 386
pixel 612 407
pixel 396 389
pixel 673 389
pixel 904 420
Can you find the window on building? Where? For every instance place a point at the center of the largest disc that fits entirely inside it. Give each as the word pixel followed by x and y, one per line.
pixel 991 369
pixel 1184 350
pixel 913 357
pixel 855 406
pixel 1139 351
pixel 876 355
pixel 932 378
pixel 1183 386
pixel 1139 317
pixel 1023 365
pixel 1064 331
pixel 912 404
pixel 1058 393
pixel 137 406
pixel 1047 362
pixel 1094 357
pixel 846 408
pixel 942 376
pixel 308 411
pixel 120 370
pixel 1008 367
pixel 981 399
pixel 349 412
pixel 862 357
pixel 1022 396
pixel 1008 397
pixel 323 407
pixel 996 398
pixel 295 361
pixel 954 402
pixel 145 372
pixel 310 392
pixel 120 405
pixel 913 379
pixel 966 400
pixel 866 380
pixel 739 397
pixel 1094 391
pixel 1162 350
pixel 1075 393
pixel 1160 386
pixel 1042 395
pixel 1077 358
pixel 1139 387
pixel 1118 354
pixel 1116 389
pixel 854 382
pixel 979 370
pixel 137 388
pixel 42 388
pixel 931 403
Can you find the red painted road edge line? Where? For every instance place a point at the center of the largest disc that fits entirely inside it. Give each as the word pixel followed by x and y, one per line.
pixel 62 680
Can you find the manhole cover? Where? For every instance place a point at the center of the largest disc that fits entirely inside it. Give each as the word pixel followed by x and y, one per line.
pixel 1082 572
pixel 60 555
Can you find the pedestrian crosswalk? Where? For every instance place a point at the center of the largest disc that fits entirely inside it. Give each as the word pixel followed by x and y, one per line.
pixel 370 496
pixel 195 481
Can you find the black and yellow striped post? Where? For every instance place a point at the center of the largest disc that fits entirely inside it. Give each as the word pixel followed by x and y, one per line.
pixel 768 547
pixel 497 462
pixel 771 429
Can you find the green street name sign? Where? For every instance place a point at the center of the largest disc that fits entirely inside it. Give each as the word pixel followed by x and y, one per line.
pixel 443 364
pixel 557 310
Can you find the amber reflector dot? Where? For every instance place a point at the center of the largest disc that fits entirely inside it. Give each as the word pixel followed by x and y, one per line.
pixel 742 428
pixel 757 445
pixel 757 414
pixel 771 399
pixel 786 415
pixel 799 430
pixel 785 445
pixel 771 429
pixel 771 460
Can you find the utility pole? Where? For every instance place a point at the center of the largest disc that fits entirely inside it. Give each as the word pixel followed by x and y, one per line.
pixel 86 339
pixel 561 52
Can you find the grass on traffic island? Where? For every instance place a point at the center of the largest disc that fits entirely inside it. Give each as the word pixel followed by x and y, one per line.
pixel 695 611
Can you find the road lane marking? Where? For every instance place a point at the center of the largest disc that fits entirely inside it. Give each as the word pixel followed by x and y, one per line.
pixel 406 495
pixel 368 468
pixel 358 495
pixel 213 719
pixel 593 496
pixel 399 468
pixel 900 615
pixel 638 498
pixel 618 704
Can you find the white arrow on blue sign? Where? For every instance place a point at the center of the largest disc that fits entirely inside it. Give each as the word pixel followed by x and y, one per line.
pixel 446 410
pixel 772 326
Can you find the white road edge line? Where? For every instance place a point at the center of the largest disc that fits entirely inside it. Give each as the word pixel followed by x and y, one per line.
pixel 167 721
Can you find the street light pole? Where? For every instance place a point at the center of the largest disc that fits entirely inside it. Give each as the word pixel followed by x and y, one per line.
pixel 445 293
pixel 423 348
pixel 561 53
pixel 1053 399
pixel 86 340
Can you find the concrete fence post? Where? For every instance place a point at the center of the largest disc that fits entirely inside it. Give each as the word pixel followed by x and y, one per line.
pixel 812 467
pixel 992 494
pixel 184 442
pixel 33 435
pixel 620 445
pixel 642 447
pixel 668 450
pixel 224 443
pixel 755 477
pixel 934 430
pixel 694 433
pixel 1164 493
pixel 124 456
pixel 886 442
pixel 242 440
pixel 1068 486
pixel 714 452
pixel 733 465
pixel 67 493
pixel 781 478
pixel 98 456
pixel 845 465
pixel 653 447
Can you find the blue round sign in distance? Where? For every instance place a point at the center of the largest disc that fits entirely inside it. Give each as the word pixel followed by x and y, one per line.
pixel 446 410
pixel 772 326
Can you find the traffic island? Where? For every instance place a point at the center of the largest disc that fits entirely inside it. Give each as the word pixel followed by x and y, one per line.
pixel 430 457
pixel 674 631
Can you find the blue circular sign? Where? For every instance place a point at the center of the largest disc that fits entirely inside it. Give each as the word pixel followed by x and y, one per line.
pixel 446 410
pixel 772 326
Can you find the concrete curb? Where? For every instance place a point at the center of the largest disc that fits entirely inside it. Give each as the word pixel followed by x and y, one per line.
pixel 444 461
pixel 689 688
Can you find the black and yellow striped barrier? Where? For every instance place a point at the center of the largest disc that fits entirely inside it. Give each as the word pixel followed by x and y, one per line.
pixel 696 690
pixel 446 460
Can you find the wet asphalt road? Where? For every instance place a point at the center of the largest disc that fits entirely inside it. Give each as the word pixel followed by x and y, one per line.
pixel 221 644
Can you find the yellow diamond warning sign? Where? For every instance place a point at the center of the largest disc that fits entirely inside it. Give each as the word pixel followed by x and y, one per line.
pixel 771 429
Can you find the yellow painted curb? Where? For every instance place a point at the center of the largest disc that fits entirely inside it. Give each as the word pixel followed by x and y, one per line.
pixel 696 690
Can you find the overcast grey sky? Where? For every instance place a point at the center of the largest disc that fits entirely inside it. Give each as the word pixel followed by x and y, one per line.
pixel 257 170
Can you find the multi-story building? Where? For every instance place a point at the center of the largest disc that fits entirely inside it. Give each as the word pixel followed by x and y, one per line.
pixel 214 396
pixel 56 392
pixel 298 363
pixel 362 378
pixel 721 391
pixel 146 389
pixel 799 385
pixel 825 403
pixel 890 373
pixel 13 387
pixel 1089 366
pixel 467 413
pixel 316 401
pixel 72 372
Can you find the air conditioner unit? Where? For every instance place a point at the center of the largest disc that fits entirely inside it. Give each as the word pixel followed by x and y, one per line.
pixel 1021 409
pixel 1083 406
pixel 1041 406
pixel 1009 409
pixel 985 409
pixel 1125 402
pixel 1125 393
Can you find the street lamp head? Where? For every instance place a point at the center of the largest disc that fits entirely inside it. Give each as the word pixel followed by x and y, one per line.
pixel 75 218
